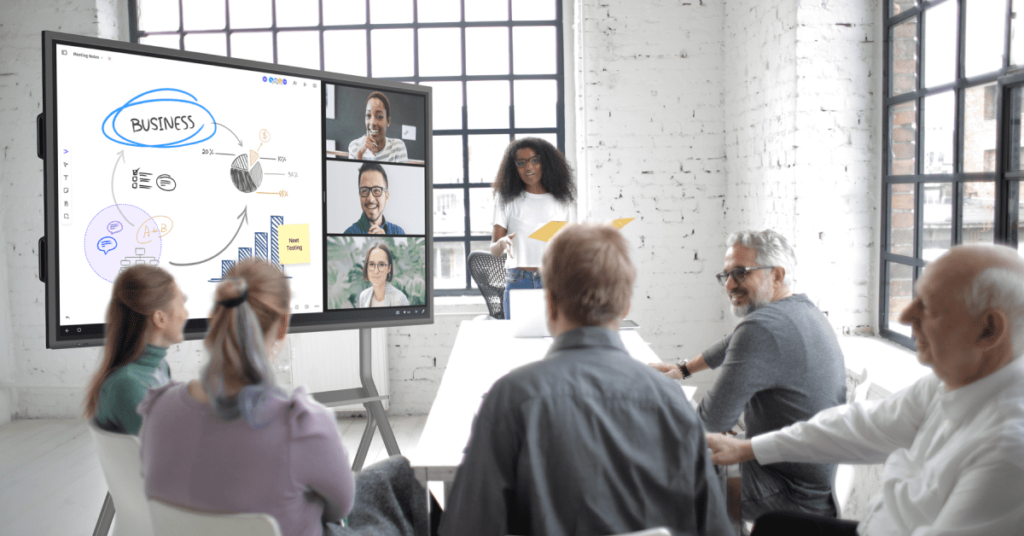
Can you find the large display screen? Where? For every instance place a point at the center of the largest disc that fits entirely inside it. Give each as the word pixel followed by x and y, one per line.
pixel 192 163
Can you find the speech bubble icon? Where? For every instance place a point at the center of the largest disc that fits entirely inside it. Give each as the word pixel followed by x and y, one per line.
pixel 106 244
pixel 115 227
pixel 166 183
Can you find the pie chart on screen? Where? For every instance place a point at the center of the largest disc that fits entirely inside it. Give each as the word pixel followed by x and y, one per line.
pixel 246 179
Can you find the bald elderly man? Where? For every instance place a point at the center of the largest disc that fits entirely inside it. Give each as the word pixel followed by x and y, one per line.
pixel 953 442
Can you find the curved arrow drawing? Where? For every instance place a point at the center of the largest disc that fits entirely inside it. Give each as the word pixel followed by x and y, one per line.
pixel 120 158
pixel 244 216
pixel 232 133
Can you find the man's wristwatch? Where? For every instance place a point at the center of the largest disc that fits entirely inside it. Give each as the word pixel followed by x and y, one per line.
pixel 683 369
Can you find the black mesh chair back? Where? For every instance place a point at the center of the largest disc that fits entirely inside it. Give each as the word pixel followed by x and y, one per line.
pixel 489 273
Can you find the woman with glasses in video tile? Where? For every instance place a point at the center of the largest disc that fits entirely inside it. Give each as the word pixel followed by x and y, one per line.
pixel 535 185
pixel 378 269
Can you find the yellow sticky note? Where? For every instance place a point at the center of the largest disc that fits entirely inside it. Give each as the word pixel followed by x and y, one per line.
pixel 621 222
pixel 550 228
pixel 293 243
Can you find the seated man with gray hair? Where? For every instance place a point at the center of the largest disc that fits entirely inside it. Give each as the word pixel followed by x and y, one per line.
pixel 588 440
pixel 782 364
pixel 953 442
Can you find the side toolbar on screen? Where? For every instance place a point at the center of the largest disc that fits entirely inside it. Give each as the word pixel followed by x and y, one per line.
pixel 186 166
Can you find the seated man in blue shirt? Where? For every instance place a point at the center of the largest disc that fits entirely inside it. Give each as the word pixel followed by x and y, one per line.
pixel 373 197
pixel 588 440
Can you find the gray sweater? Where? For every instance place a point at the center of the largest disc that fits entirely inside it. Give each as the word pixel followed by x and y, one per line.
pixel 781 365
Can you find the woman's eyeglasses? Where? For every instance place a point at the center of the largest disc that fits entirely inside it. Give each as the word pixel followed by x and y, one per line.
pixel 533 160
pixel 739 273
pixel 365 191
pixel 377 266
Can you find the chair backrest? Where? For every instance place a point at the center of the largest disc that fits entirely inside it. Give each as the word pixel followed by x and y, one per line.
pixel 171 520
pixel 489 273
pixel 122 467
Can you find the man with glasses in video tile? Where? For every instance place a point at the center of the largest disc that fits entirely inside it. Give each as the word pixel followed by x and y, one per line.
pixel 782 364
pixel 373 197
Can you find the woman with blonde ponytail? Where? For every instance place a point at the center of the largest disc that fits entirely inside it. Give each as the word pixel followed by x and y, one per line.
pixel 233 441
pixel 146 315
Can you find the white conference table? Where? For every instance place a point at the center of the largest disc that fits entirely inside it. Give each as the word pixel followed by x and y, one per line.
pixel 484 351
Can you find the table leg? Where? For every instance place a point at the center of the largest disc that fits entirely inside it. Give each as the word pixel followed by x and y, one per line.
pixel 364 443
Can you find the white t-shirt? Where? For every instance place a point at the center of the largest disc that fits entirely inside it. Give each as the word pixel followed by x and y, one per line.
pixel 524 215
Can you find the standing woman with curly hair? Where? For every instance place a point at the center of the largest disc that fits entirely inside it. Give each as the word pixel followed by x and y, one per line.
pixel 535 185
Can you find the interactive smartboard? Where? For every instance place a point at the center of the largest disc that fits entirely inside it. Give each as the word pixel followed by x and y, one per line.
pixel 193 162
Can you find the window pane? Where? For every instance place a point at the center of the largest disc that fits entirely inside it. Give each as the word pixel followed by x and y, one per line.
pixel 345 52
pixel 533 9
pixel 449 265
pixel 485 153
pixel 166 41
pixel 1016 116
pixel 202 14
pixel 903 138
pixel 940 44
pixel 486 51
pixel 439 10
pixel 213 43
pixel 901 219
pixel 392 53
pixel 449 212
pixel 901 293
pixel 979 212
pixel 337 12
pixel 534 50
pixel 486 10
pixel 548 137
pixel 159 16
pixel 899 6
pixel 937 234
pixel 390 11
pixel 1016 44
pixel 980 129
pixel 250 13
pixel 536 103
pixel 487 104
pixel 447 163
pixel 440 52
pixel 481 211
pixel 938 133
pixel 256 46
pixel 298 13
pixel 903 70
pixel 984 47
pixel 301 49
pixel 447 107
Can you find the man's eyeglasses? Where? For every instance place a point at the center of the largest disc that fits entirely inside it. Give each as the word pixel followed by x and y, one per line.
pixel 377 266
pixel 364 191
pixel 533 160
pixel 739 273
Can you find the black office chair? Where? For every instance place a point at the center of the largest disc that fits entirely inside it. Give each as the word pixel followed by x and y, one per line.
pixel 489 273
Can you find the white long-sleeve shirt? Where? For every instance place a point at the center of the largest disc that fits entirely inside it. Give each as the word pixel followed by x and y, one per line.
pixel 954 461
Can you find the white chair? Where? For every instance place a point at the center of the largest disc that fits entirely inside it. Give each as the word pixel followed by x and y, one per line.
pixel 171 520
pixel 660 531
pixel 122 467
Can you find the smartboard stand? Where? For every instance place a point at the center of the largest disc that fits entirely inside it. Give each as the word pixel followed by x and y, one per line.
pixel 367 396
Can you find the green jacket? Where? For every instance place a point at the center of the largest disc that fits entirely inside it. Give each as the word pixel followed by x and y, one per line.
pixel 127 386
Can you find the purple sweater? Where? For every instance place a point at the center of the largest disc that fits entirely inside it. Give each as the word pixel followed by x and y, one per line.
pixel 294 469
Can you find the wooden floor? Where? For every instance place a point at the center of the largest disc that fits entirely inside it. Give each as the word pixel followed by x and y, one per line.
pixel 51 482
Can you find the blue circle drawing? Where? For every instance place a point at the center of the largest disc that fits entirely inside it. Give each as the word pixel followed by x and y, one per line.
pixel 110 122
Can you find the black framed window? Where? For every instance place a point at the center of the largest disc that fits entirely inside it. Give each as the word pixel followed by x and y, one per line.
pixel 949 133
pixel 495 66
